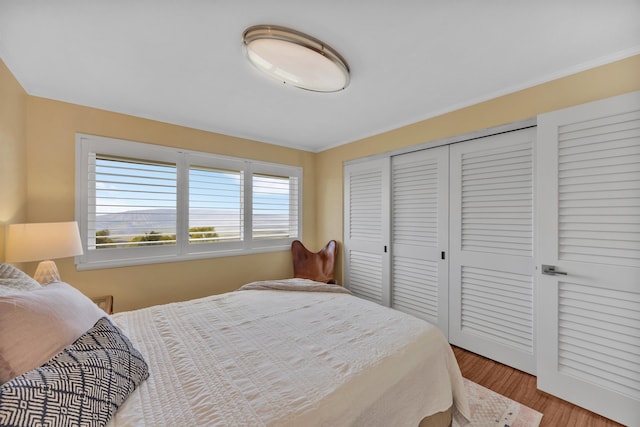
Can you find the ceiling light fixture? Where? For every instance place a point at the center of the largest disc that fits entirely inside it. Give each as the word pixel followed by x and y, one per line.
pixel 296 58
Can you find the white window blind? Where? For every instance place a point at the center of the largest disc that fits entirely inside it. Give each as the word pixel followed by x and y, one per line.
pixel 141 203
pixel 134 204
pixel 215 205
pixel 274 206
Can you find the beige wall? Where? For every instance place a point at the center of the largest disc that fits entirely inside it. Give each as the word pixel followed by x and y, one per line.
pixel 37 145
pixel 50 135
pixel 601 82
pixel 13 160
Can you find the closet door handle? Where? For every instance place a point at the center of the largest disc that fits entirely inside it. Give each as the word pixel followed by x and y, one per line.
pixel 550 270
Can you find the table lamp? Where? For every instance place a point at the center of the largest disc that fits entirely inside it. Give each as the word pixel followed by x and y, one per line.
pixel 43 242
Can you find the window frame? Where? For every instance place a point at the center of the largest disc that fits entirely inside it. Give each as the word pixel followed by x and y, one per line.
pixel 183 159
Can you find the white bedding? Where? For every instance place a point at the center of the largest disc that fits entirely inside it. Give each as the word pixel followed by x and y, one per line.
pixel 287 358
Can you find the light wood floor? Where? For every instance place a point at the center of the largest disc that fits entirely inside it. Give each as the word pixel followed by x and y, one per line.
pixel 521 387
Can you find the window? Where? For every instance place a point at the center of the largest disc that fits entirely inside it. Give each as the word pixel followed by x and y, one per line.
pixel 142 203
pixel 215 205
pixel 275 203
pixel 134 203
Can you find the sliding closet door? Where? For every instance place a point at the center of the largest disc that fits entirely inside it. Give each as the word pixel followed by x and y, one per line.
pixel 491 243
pixel 366 229
pixel 588 312
pixel 419 234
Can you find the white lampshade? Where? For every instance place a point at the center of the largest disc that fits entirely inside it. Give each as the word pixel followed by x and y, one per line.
pixel 43 242
pixel 296 58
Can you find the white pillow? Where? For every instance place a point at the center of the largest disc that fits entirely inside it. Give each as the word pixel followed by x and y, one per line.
pixel 35 325
pixel 13 280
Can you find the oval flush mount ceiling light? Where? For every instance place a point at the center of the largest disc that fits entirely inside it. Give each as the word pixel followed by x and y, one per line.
pixel 296 58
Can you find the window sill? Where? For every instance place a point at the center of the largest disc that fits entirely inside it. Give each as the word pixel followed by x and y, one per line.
pixel 97 265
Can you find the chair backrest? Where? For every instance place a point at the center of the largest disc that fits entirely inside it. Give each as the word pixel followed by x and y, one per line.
pixel 315 266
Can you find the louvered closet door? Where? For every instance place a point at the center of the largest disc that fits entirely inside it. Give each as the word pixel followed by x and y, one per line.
pixel 366 229
pixel 419 234
pixel 589 216
pixel 491 244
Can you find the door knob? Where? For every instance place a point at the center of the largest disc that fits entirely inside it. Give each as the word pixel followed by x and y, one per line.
pixel 550 270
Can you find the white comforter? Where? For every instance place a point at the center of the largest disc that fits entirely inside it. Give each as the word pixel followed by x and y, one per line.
pixel 287 358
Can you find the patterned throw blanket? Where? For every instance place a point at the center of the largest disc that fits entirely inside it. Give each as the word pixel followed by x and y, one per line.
pixel 294 285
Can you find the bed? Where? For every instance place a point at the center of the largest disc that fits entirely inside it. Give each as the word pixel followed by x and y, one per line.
pixel 279 353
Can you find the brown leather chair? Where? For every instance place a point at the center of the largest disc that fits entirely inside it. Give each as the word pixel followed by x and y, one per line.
pixel 315 266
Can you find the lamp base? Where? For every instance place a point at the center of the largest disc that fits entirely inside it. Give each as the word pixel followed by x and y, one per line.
pixel 46 273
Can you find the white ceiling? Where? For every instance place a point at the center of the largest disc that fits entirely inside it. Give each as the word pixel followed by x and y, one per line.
pixel 182 62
